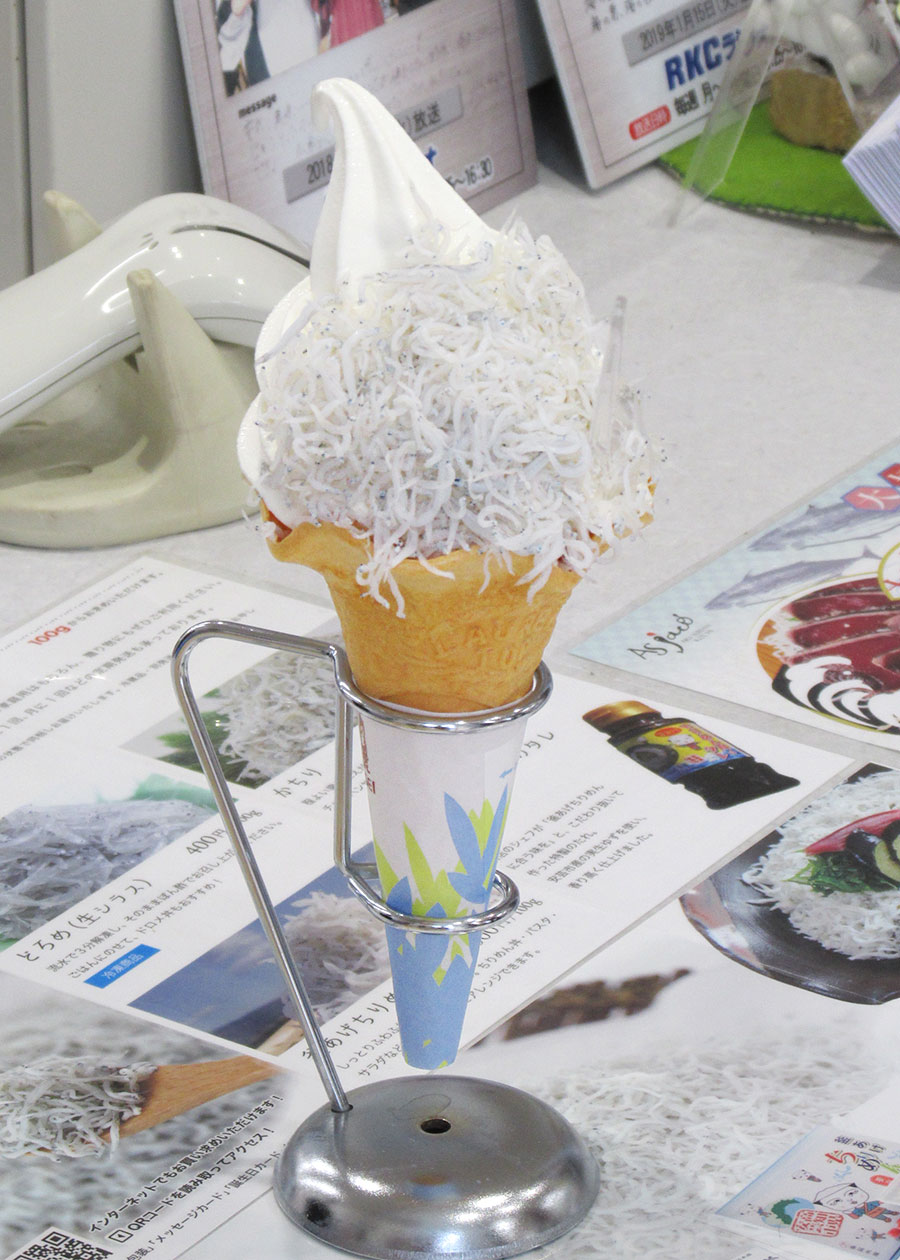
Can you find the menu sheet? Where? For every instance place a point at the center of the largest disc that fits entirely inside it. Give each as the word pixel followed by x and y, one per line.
pixel 129 932
pixel 449 70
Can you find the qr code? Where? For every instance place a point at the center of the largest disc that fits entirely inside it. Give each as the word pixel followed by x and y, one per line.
pixel 56 1244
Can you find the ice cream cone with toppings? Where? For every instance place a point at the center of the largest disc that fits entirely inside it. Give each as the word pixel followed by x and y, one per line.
pixel 426 437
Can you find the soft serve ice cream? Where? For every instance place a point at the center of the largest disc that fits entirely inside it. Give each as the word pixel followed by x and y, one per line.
pixel 431 391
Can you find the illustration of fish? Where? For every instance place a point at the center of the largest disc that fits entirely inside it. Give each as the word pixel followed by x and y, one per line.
pixel 824 526
pixel 764 587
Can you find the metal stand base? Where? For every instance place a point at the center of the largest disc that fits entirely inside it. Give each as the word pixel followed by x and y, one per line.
pixel 442 1166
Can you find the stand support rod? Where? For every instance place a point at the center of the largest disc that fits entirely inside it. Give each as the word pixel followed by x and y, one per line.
pixel 227 808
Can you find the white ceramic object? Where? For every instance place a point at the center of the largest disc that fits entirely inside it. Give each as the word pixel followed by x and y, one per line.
pixel 226 266
pixel 120 410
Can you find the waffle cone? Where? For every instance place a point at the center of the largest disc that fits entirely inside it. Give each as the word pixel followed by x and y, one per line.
pixel 457 648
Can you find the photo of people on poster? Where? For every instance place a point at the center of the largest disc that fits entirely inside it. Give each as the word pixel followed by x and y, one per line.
pixel 262 38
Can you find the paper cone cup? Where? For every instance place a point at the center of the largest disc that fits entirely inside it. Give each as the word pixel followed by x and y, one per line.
pixel 438 804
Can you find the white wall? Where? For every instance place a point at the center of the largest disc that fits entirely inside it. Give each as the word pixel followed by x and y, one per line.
pixel 15 228
pixel 109 121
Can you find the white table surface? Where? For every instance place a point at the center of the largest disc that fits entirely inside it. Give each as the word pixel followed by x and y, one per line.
pixel 766 356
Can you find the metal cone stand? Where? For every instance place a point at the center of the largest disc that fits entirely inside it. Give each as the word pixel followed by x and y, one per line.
pixel 419 1166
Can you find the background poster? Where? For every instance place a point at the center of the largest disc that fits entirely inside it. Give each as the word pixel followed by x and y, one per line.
pixel 639 76
pixel 449 70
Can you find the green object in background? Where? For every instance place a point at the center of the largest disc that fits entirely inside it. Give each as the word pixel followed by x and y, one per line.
pixel 772 175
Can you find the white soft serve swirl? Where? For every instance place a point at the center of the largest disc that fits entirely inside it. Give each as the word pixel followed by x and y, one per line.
pixel 382 192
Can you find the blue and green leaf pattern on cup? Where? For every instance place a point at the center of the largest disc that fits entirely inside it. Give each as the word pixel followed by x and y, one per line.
pixel 432 974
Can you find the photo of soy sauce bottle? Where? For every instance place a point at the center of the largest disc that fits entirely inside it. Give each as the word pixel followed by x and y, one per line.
pixel 682 752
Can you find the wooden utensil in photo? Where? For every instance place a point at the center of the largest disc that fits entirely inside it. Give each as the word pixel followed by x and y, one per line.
pixel 176 1088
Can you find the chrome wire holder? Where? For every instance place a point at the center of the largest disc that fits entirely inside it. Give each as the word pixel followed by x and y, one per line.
pixel 364 1173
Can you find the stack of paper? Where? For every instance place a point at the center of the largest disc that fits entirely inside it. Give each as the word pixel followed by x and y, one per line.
pixel 874 163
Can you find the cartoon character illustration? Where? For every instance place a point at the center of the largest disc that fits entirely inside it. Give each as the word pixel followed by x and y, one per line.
pixel 853 1201
pixel 847 1198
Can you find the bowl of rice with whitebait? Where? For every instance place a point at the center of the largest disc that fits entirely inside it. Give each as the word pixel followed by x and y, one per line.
pixel 817 903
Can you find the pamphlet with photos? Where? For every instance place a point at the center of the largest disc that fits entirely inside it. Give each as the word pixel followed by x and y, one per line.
pixel 799 620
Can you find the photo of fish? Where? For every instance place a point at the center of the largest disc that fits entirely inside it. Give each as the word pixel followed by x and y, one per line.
pixel 52 855
pixel 835 649
pixel 836 522
pixel 769 584
pixel 82 1136
pixel 261 722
